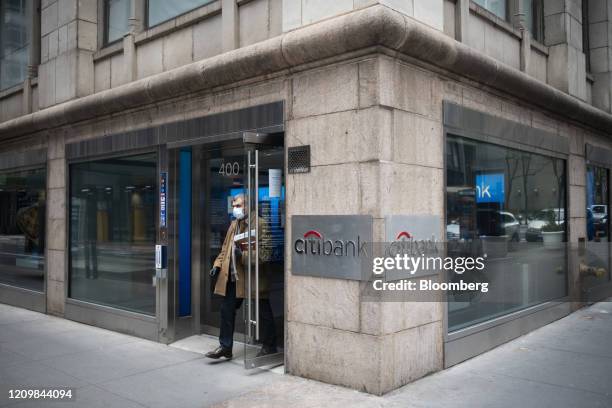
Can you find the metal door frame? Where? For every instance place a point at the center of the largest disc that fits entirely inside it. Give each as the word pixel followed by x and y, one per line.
pixel 471 341
pixel 181 327
pixel 175 327
pixel 178 328
pixel 108 317
pixel 252 144
pixel 15 161
pixel 216 128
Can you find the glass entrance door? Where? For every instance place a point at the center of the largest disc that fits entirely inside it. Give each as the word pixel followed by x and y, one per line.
pixel 223 177
pixel 254 174
pixel 265 257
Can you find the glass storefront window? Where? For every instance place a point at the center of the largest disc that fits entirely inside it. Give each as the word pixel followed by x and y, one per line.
pixel 509 205
pixel 598 226
pixel 159 11
pixel 22 228
pixel 14 43
pixel 534 19
pixel 497 7
pixel 528 9
pixel 113 231
pixel 117 13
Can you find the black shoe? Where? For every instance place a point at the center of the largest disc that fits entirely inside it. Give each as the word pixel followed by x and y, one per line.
pixel 220 352
pixel 264 351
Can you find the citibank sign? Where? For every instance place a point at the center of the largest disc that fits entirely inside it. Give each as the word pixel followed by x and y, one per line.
pixel 330 245
pixel 313 243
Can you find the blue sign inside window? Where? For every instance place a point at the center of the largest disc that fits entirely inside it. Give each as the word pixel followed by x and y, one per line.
pixel 163 192
pixel 490 188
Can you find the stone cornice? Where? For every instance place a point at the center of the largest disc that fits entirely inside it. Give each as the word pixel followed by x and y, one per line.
pixel 373 26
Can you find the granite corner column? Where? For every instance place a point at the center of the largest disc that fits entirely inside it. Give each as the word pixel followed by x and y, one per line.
pixel 56 225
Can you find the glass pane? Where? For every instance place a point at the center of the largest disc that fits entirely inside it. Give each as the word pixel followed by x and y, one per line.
pixel 112 232
pixel 13 43
pixel 597 200
pixel 22 228
pixel 510 205
pixel 269 288
pixel 497 7
pixel 118 13
pixel 162 10
pixel 223 177
pixel 529 15
pixel 13 68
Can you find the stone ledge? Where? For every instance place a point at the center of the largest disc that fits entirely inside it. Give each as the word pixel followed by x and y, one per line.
pixel 373 26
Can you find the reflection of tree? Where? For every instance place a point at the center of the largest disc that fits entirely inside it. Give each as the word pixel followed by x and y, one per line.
pixel 559 186
pixel 525 167
pixel 512 166
pixel 529 170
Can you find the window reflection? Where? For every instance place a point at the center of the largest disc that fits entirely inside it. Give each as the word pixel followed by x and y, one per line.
pixel 598 227
pixel 497 7
pixel 22 228
pixel 116 21
pixel 112 232
pixel 162 10
pixel 14 42
pixel 509 205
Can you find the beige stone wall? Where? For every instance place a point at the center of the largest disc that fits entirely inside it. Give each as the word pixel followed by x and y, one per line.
pixel 68 40
pixel 376 145
pixel 202 33
pixel 57 227
pixel 74 63
pixel 375 129
pixel 297 13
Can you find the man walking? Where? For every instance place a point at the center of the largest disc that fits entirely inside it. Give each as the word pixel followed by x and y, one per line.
pixel 229 267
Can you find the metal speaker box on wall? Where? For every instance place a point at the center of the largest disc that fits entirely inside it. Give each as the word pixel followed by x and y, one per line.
pixel 298 159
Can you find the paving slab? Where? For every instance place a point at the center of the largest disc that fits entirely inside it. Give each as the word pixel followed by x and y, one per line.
pixel 565 364
pixel 108 369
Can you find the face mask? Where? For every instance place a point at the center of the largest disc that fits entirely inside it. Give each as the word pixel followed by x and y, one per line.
pixel 238 213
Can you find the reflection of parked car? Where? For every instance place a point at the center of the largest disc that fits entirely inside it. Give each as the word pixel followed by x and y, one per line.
pixel 597 222
pixel 603 226
pixel 599 211
pixel 510 225
pixel 497 223
pixel 540 220
pixel 600 219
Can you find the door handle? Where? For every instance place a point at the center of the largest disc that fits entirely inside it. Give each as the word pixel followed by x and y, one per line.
pixel 256 244
pixel 253 320
pixel 249 319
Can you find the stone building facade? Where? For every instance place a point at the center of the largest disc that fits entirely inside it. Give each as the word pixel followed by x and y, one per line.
pixel 396 100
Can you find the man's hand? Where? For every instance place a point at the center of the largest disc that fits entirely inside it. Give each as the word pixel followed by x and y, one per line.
pixel 244 246
pixel 237 251
pixel 214 271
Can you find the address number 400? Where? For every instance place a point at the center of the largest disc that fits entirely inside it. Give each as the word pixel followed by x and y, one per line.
pixel 229 169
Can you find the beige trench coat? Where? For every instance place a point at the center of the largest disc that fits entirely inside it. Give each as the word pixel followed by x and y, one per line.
pixel 224 259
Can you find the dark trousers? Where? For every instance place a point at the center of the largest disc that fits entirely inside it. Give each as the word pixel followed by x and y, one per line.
pixel 229 306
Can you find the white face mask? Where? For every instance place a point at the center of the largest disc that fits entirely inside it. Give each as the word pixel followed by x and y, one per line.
pixel 238 213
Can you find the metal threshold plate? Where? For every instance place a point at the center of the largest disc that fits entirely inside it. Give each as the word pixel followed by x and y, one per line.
pixel 269 361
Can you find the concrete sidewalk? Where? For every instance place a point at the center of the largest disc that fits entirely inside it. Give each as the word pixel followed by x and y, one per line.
pixel 565 364
pixel 109 369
